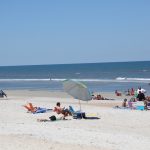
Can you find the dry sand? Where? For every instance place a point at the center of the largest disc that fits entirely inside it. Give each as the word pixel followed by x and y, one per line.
pixel 116 130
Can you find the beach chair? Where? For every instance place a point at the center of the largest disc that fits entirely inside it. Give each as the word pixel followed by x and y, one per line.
pixel 76 114
pixel 80 115
pixel 30 107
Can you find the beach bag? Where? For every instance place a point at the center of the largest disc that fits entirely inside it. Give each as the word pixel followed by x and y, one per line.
pixel 52 118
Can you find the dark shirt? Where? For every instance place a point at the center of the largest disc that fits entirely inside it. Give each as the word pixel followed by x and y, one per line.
pixel 141 96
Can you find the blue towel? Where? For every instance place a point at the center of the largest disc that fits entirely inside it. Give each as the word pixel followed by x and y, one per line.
pixel 41 110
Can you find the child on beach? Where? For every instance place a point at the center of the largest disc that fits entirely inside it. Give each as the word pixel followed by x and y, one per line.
pixel 124 104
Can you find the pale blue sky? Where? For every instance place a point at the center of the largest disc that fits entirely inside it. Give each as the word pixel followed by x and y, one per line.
pixel 73 31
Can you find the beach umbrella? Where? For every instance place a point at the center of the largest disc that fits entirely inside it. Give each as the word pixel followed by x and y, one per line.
pixel 77 90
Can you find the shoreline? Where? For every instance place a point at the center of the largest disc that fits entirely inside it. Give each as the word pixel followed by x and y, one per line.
pixel 42 93
pixel 29 95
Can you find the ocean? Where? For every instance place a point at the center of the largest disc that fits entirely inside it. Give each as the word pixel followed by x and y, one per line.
pixel 105 77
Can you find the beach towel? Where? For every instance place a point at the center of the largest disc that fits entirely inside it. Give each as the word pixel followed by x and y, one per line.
pixel 91 116
pixel 119 107
pixel 41 110
pixel 52 119
pixel 35 110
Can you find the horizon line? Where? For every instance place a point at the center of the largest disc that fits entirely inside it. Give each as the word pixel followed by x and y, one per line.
pixel 77 63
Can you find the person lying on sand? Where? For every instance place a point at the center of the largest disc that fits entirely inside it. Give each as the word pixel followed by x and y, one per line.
pixel 30 107
pixel 51 118
pixel 34 109
pixel 100 97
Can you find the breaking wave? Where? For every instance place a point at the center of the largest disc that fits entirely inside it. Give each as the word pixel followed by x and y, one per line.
pixel 118 79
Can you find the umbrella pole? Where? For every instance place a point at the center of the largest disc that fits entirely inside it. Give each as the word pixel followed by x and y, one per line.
pixel 80 110
pixel 80 105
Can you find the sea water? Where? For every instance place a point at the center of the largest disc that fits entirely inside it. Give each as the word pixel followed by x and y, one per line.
pixel 97 76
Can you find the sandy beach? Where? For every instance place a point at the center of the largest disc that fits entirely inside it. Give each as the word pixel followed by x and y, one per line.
pixel 67 73
pixel 116 129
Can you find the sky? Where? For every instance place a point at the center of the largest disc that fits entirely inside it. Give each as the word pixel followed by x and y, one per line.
pixel 36 32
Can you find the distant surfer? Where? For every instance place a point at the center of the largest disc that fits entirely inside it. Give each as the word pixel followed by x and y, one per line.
pixel 50 78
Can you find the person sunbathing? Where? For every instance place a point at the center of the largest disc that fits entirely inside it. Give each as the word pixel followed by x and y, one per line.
pixel 117 93
pixel 30 107
pixel 34 109
pixel 64 111
pixel 100 97
pixel 51 118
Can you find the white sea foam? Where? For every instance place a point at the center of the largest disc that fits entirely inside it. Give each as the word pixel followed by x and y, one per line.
pixel 77 73
pixel 118 79
pixel 139 79
pixel 133 79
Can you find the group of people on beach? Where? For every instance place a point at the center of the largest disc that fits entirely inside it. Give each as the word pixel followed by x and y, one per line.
pixel 58 109
pixel 139 96
pixel 129 92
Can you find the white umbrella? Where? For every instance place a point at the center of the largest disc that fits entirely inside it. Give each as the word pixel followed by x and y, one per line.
pixel 77 89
